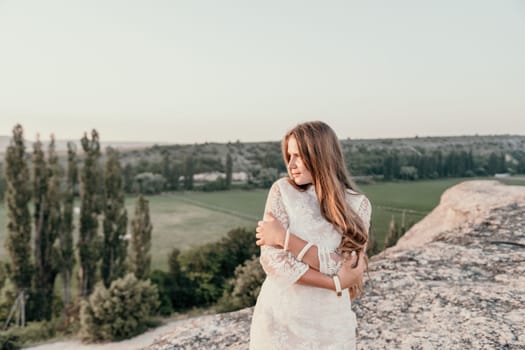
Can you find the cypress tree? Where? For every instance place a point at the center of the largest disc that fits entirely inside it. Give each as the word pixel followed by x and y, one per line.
pixel 439 163
pixel 40 218
pixel 396 165
pixel 46 194
pixel 67 254
pixel 89 240
pixel 18 195
pixel 373 244
pixel 55 218
pixel 502 165
pixel 493 164
pixel 470 162
pixel 167 169
pixel 127 177
pixel 174 176
pixel 393 233
pixel 2 183
pixel 188 173
pixel 229 170
pixel 140 258
pixel 115 246
pixel 387 167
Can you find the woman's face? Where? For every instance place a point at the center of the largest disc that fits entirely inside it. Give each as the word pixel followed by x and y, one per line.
pixel 296 167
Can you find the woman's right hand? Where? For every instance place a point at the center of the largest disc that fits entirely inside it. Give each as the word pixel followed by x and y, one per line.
pixel 350 276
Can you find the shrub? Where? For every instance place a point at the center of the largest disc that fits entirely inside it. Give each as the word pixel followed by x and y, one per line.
pixel 119 312
pixel 206 269
pixel 16 337
pixel 9 341
pixel 149 183
pixel 217 185
pixel 165 288
pixel 243 289
pixel 8 296
pixel 181 287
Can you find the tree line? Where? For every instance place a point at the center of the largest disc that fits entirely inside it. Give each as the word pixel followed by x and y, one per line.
pixel 113 269
pixel 439 165
pixel 266 165
pixel 173 174
pixel 29 277
pixel 172 168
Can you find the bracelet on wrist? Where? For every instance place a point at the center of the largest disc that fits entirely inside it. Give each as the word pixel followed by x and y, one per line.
pixel 337 284
pixel 304 250
pixel 286 240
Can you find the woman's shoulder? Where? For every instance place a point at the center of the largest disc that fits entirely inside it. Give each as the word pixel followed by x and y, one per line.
pixel 353 192
pixel 286 187
pixel 282 184
pixel 355 197
pixel 279 182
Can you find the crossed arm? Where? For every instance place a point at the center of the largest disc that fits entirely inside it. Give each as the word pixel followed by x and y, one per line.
pixel 271 233
pixel 285 267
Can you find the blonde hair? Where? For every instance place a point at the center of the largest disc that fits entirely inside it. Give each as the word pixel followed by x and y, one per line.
pixel 322 156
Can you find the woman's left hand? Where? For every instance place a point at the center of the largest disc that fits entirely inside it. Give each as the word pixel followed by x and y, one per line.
pixel 270 232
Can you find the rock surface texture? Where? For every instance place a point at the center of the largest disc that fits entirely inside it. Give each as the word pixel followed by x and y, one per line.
pixel 455 281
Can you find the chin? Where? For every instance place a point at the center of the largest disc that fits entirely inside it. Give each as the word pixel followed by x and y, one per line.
pixel 299 181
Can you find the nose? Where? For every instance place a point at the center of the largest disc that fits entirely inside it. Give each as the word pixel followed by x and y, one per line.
pixel 292 164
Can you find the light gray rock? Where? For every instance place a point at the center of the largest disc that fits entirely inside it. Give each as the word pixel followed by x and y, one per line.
pixel 463 288
pixel 222 331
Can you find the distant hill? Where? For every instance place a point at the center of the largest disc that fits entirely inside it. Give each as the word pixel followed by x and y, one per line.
pixel 247 155
pixel 364 156
pixel 480 144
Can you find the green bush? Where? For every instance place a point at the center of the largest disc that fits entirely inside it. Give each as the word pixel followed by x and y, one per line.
pixel 206 269
pixel 217 185
pixel 9 341
pixel 165 287
pixel 16 337
pixel 243 289
pixel 119 312
pixel 148 183
pixel 8 296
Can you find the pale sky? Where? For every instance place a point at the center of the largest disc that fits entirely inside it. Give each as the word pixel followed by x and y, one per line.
pixel 218 70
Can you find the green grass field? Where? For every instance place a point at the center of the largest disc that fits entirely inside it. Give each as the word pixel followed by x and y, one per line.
pixel 175 224
pixel 388 199
pixel 191 218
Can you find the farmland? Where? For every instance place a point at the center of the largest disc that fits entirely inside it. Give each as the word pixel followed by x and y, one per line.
pixel 185 219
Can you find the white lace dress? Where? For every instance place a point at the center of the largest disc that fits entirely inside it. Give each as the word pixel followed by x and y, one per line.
pixel 296 316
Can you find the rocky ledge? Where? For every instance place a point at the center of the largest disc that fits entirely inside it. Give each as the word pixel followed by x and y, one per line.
pixel 458 285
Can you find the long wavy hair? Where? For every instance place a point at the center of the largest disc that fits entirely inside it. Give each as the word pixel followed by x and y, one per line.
pixel 322 156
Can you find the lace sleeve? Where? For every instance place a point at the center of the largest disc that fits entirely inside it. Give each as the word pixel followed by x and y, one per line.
pixel 280 265
pixel 365 212
pixel 329 261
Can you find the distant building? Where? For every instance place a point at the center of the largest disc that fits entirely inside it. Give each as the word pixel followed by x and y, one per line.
pixel 208 177
pixel 502 175
pixel 239 177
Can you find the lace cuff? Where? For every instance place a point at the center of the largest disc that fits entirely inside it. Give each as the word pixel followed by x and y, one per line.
pixel 281 266
pixel 278 264
pixel 329 261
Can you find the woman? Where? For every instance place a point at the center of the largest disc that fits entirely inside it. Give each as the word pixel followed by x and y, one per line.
pixel 313 242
